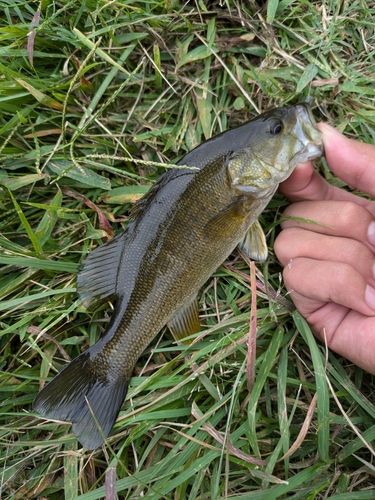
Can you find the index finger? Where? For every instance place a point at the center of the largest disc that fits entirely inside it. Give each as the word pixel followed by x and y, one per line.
pixel 351 161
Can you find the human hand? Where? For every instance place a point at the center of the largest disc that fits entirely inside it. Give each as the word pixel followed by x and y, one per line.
pixel 329 269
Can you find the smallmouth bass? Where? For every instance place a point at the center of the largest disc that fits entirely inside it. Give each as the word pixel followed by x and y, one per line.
pixel 181 231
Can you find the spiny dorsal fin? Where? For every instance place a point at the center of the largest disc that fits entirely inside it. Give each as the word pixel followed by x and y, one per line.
pixel 140 204
pixel 97 277
pixel 152 194
pixel 185 322
pixel 254 243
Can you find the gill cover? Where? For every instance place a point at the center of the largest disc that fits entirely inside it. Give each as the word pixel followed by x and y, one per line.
pixel 286 136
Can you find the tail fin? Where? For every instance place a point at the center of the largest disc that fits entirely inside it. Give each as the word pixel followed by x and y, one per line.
pixel 78 388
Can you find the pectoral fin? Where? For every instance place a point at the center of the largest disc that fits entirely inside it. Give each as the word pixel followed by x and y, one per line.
pixel 234 212
pixel 185 322
pixel 254 243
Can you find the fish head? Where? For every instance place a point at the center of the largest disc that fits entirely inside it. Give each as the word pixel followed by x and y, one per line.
pixel 285 137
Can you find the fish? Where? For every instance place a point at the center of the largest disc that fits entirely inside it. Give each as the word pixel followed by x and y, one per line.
pixel 180 232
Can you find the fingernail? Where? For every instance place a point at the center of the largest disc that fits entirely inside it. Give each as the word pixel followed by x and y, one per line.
pixel 370 296
pixel 371 233
pixel 329 130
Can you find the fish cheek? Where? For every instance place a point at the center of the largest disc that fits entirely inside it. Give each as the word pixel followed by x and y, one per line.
pixel 274 152
pixel 248 172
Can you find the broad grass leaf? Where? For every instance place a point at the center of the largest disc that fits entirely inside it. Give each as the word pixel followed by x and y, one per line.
pixel 60 266
pixel 14 183
pixel 40 97
pixel 125 194
pixel 307 76
pixel 49 219
pixel 196 54
pixel 351 87
pixel 21 301
pixel 204 111
pixel 271 10
pixel 80 174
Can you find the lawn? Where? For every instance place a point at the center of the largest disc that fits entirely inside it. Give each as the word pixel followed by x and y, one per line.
pixel 97 99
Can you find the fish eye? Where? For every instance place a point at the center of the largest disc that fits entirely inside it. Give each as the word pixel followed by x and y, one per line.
pixel 275 128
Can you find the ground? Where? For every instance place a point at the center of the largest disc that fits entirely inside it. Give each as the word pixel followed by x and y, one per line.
pixel 97 99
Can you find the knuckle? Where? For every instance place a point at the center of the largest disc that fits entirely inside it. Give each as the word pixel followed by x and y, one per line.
pixel 287 279
pixel 293 209
pixel 352 213
pixel 357 250
pixel 293 273
pixel 343 276
pixel 285 244
pixel 360 174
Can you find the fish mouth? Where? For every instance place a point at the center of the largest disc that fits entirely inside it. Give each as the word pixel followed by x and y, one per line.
pixel 306 131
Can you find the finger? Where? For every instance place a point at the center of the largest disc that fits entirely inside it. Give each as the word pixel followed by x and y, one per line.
pixel 352 337
pixel 324 281
pixel 320 315
pixel 335 218
pixel 306 184
pixel 352 161
pixel 296 242
pixel 345 331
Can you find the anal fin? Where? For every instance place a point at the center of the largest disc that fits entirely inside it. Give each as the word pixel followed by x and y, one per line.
pixel 254 243
pixel 185 322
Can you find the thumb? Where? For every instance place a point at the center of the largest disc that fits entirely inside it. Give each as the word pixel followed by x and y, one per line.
pixel 306 184
pixel 351 161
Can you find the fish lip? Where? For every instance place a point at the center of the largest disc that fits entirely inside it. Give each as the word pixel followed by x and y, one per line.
pixel 308 134
pixel 313 150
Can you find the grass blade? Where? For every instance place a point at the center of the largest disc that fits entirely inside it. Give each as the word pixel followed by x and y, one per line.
pixel 321 386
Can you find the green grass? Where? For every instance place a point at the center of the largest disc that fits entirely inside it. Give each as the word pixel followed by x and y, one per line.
pixel 96 100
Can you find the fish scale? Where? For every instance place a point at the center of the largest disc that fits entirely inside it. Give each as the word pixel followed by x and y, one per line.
pixel 167 275
pixel 180 232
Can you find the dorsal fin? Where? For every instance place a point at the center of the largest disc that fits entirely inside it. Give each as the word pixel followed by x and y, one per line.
pixel 153 193
pixel 141 203
pixel 97 276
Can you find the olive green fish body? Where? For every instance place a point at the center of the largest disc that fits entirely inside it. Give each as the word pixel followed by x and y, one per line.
pixel 162 268
pixel 181 231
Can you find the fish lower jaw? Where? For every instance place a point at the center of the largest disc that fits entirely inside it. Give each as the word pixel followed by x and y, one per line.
pixel 311 152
